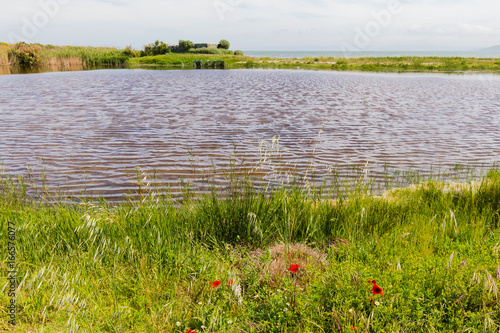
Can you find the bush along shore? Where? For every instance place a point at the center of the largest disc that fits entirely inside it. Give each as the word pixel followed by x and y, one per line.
pixel 244 259
pixel 159 54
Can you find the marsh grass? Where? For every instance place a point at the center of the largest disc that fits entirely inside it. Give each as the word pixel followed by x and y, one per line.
pixel 66 56
pixel 84 55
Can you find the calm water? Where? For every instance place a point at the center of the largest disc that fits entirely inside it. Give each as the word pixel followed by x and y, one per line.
pixel 89 130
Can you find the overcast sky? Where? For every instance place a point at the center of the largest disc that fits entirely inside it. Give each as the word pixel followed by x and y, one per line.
pixel 257 24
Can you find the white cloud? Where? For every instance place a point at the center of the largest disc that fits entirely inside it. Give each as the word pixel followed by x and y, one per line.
pixel 257 24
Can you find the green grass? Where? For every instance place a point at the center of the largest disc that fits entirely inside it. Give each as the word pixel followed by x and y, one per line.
pixel 388 64
pixel 184 59
pixel 147 265
pixel 86 55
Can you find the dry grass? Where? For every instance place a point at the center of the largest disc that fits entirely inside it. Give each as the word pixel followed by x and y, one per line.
pixel 399 193
pixel 4 55
pixel 283 255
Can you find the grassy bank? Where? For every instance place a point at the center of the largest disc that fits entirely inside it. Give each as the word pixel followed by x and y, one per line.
pixel 186 60
pixel 388 64
pixel 150 265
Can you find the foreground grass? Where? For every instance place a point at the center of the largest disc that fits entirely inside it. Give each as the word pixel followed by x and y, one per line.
pixel 149 265
pixel 386 64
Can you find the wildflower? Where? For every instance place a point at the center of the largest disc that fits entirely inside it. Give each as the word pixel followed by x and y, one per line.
pixel 229 321
pixel 288 304
pixel 178 323
pixel 351 310
pixel 376 289
pixel 230 282
pixel 203 327
pixel 278 290
pixel 377 303
pixel 215 284
pixel 191 331
pixel 200 303
pixel 354 328
pixel 285 309
pixel 293 268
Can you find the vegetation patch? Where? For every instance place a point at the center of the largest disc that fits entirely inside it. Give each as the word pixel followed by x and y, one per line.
pixel 425 258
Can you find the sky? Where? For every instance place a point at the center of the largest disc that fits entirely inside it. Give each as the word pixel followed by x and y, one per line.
pixel 274 25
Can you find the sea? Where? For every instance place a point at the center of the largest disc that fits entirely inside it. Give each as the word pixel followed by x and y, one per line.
pixel 303 54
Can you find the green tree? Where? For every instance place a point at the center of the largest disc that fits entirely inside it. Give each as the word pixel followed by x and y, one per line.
pixel 223 44
pixel 186 45
pixel 155 48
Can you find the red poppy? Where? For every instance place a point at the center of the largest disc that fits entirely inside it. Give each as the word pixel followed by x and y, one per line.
pixel 215 284
pixel 293 268
pixel 376 289
pixel 230 282
pixel 191 331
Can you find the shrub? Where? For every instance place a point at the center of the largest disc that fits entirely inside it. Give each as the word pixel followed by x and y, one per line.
pixel 238 52
pixel 25 54
pixel 155 48
pixel 223 44
pixel 206 50
pixel 130 52
pixel 186 45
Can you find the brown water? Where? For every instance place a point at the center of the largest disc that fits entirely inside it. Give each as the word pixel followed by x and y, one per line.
pixel 90 130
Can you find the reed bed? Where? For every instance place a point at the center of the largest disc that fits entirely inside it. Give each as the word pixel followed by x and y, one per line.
pixel 63 56
pixel 84 55
pixel 258 259
pixel 4 54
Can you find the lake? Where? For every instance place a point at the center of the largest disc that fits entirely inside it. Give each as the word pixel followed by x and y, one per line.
pixel 90 130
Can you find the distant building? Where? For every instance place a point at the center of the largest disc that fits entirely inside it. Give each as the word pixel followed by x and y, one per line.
pixel 200 45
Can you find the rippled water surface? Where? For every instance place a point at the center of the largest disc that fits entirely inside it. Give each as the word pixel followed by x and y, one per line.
pixel 90 130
